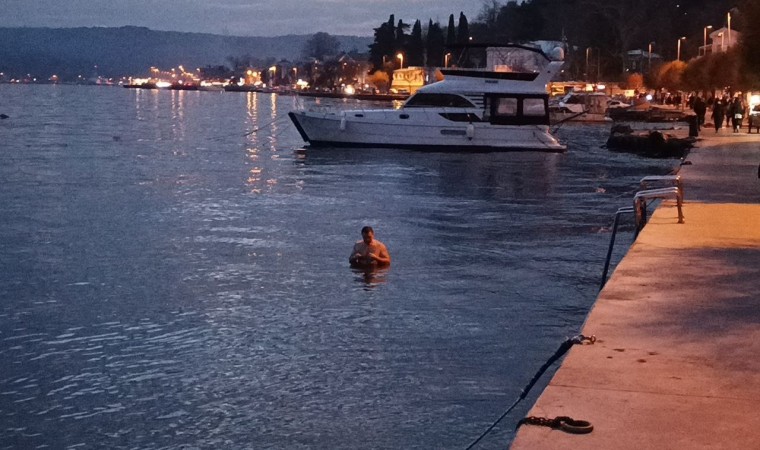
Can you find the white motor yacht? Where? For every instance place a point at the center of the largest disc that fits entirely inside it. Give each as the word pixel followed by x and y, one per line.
pixel 469 110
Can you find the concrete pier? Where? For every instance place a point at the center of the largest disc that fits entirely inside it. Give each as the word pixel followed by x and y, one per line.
pixel 676 364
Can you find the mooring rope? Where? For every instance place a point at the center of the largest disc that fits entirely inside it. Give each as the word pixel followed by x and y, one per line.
pixel 563 348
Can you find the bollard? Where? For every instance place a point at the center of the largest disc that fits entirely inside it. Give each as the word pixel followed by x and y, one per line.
pixel 693 125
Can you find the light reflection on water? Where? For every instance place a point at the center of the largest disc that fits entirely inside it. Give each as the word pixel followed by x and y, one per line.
pixel 175 274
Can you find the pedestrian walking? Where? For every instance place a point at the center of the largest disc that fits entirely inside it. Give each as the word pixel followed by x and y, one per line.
pixel 700 109
pixel 717 115
pixel 737 114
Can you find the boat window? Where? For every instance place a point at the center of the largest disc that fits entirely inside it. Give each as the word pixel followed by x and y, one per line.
pixel 533 107
pixel 506 106
pixel 516 109
pixel 422 99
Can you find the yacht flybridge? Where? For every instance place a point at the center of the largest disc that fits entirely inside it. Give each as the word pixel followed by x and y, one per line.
pixel 469 110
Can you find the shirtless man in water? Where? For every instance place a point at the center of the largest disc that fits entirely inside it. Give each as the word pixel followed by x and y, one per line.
pixel 369 251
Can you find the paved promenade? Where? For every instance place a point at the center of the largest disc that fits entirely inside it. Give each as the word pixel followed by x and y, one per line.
pixel 676 364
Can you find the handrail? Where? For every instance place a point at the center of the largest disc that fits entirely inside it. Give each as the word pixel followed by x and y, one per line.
pixel 673 180
pixel 620 211
pixel 639 209
pixel 640 203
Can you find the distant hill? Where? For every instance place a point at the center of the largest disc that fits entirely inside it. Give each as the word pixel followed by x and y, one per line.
pixel 115 52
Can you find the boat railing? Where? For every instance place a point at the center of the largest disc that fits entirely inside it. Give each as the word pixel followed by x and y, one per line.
pixel 639 208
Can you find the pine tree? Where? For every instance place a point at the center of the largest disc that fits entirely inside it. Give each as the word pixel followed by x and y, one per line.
pixel 463 38
pixel 415 48
pixel 401 36
pixel 463 30
pixel 451 41
pixel 435 45
pixel 451 32
pixel 384 46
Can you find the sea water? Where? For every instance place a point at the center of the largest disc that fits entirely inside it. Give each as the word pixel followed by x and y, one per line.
pixel 174 274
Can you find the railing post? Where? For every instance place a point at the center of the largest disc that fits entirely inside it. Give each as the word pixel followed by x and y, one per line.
pixel 619 212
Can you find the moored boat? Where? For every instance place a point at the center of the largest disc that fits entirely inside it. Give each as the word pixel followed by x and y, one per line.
pixel 580 107
pixel 469 110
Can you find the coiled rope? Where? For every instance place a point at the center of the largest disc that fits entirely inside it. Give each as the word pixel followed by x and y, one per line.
pixel 563 348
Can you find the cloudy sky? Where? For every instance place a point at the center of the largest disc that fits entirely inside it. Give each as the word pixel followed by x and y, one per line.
pixel 233 17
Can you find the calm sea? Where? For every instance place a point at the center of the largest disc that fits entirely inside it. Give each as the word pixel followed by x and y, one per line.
pixel 174 275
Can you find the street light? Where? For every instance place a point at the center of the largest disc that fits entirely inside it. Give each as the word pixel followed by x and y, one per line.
pixel 721 41
pixel 446 59
pixel 704 42
pixel 728 16
pixel 272 78
pixel 598 63
pixel 650 56
pixel 682 38
pixel 400 56
pixel 588 49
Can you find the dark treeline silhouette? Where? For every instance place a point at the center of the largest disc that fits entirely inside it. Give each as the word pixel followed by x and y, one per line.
pixel 607 29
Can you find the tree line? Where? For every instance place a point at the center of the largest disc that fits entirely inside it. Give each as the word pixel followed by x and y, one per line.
pixel 606 29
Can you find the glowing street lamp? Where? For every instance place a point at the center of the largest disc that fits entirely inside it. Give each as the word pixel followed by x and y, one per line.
pixel 273 72
pixel 721 41
pixel 650 55
pixel 704 40
pixel 446 58
pixel 588 50
pixel 400 56
pixel 682 38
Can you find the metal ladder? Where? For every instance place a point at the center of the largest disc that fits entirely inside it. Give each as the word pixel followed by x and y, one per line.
pixel 639 208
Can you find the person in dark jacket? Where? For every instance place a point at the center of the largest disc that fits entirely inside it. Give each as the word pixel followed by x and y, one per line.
pixel 737 114
pixel 717 115
pixel 700 108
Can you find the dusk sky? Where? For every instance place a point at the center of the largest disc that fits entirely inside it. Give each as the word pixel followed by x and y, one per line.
pixel 233 17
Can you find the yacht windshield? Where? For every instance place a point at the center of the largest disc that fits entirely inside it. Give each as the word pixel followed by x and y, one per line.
pixel 422 99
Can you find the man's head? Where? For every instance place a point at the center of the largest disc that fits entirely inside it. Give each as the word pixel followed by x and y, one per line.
pixel 368 234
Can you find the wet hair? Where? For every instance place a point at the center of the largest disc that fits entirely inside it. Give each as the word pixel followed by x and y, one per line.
pixel 367 229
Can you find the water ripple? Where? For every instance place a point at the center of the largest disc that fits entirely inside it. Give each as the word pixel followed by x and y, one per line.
pixel 187 286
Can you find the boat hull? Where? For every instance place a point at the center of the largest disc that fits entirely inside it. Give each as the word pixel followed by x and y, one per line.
pixel 415 128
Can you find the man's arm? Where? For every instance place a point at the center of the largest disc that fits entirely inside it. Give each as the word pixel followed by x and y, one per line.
pixel 382 257
pixel 355 255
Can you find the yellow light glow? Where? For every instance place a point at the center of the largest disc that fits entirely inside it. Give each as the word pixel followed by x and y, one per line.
pixel 754 100
pixel 162 84
pixel 349 90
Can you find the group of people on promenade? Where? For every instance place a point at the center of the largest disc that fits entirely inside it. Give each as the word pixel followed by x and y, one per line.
pixel 725 109
pixel 732 111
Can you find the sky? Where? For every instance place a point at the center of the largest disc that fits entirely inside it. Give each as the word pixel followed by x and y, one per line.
pixel 234 17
